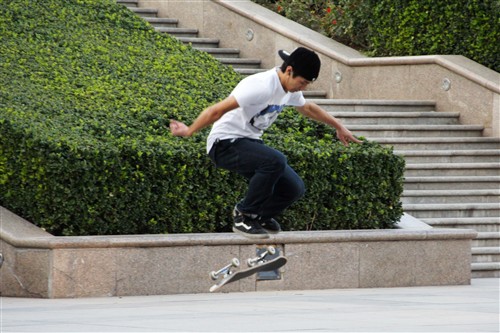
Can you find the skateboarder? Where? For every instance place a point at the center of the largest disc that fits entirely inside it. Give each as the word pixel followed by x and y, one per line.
pixel 235 144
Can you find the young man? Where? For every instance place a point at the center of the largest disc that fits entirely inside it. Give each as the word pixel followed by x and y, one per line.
pixel 235 144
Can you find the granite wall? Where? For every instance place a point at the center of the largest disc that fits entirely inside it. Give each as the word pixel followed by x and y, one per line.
pixel 38 264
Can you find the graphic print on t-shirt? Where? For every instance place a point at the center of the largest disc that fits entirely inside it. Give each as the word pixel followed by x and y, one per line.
pixel 266 117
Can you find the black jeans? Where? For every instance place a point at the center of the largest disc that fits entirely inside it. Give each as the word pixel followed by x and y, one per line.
pixel 272 184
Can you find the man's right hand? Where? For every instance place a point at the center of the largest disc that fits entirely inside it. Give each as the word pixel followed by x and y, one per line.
pixel 206 118
pixel 179 128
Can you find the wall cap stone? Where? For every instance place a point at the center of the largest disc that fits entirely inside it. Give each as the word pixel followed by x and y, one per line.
pixel 16 232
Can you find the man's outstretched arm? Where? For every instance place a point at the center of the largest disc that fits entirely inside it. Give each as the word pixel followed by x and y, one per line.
pixel 315 112
pixel 206 118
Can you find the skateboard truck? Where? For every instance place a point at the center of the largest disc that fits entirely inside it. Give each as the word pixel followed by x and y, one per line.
pixel 226 270
pixel 259 265
pixel 270 250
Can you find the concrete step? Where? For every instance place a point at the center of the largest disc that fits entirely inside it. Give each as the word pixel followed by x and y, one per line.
pixel 397 118
pixel 241 62
pixel 485 270
pixel 485 261
pixel 317 95
pixel 178 32
pixel 355 105
pixel 199 42
pixel 486 254
pixel 162 22
pixel 145 12
pixel 190 36
pixel 249 71
pixel 450 156
pixel 129 3
pixel 452 169
pixel 451 196
pixel 487 239
pixel 376 131
pixel 221 52
pixel 423 211
pixel 451 183
pixel 438 143
pixel 480 224
pixel 209 45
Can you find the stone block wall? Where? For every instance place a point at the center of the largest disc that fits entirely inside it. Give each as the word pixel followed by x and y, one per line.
pixel 40 265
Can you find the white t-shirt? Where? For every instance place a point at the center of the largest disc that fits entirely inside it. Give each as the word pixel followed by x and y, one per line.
pixel 260 98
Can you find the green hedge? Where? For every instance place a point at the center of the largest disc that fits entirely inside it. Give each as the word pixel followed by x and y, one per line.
pixel 86 93
pixel 404 27
pixel 416 27
pixel 347 188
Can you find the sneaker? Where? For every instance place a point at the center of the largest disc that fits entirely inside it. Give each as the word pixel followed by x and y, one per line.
pixel 248 226
pixel 270 225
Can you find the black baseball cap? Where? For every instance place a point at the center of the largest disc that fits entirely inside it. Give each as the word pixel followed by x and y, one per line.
pixel 304 62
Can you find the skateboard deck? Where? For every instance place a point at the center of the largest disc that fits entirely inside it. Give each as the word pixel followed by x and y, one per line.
pixel 265 266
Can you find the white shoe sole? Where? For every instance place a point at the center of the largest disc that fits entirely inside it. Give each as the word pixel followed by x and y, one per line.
pixel 252 236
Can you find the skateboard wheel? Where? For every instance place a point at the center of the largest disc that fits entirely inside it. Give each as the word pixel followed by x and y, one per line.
pixel 213 275
pixel 250 262
pixel 235 262
pixel 271 250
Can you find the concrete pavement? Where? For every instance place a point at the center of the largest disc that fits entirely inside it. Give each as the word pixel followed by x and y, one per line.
pixel 470 308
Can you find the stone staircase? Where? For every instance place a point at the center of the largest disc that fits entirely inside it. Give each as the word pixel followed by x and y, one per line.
pixel 227 56
pixel 452 175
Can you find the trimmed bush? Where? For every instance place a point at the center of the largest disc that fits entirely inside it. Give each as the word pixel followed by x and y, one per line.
pixel 417 27
pixel 347 188
pixel 86 93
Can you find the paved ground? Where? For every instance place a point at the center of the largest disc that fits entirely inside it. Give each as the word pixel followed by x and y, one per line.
pixel 473 308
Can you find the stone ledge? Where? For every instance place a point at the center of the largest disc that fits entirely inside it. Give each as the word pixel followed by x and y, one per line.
pixel 37 265
pixel 290 237
pixel 14 228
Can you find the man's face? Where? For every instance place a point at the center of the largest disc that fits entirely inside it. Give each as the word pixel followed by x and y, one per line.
pixel 294 84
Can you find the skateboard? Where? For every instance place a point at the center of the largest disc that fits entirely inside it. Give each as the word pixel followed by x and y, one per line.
pixel 1 260
pixel 255 265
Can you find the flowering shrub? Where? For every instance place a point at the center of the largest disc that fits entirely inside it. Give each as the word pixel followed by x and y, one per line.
pixel 403 27
pixel 417 27
pixel 342 20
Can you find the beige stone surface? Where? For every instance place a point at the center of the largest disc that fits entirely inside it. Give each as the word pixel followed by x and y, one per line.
pixel 12 225
pixel 443 263
pixel 61 267
pixel 322 266
pixel 83 272
pixel 25 272
pixel 32 269
pixel 387 264
pixel 170 270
